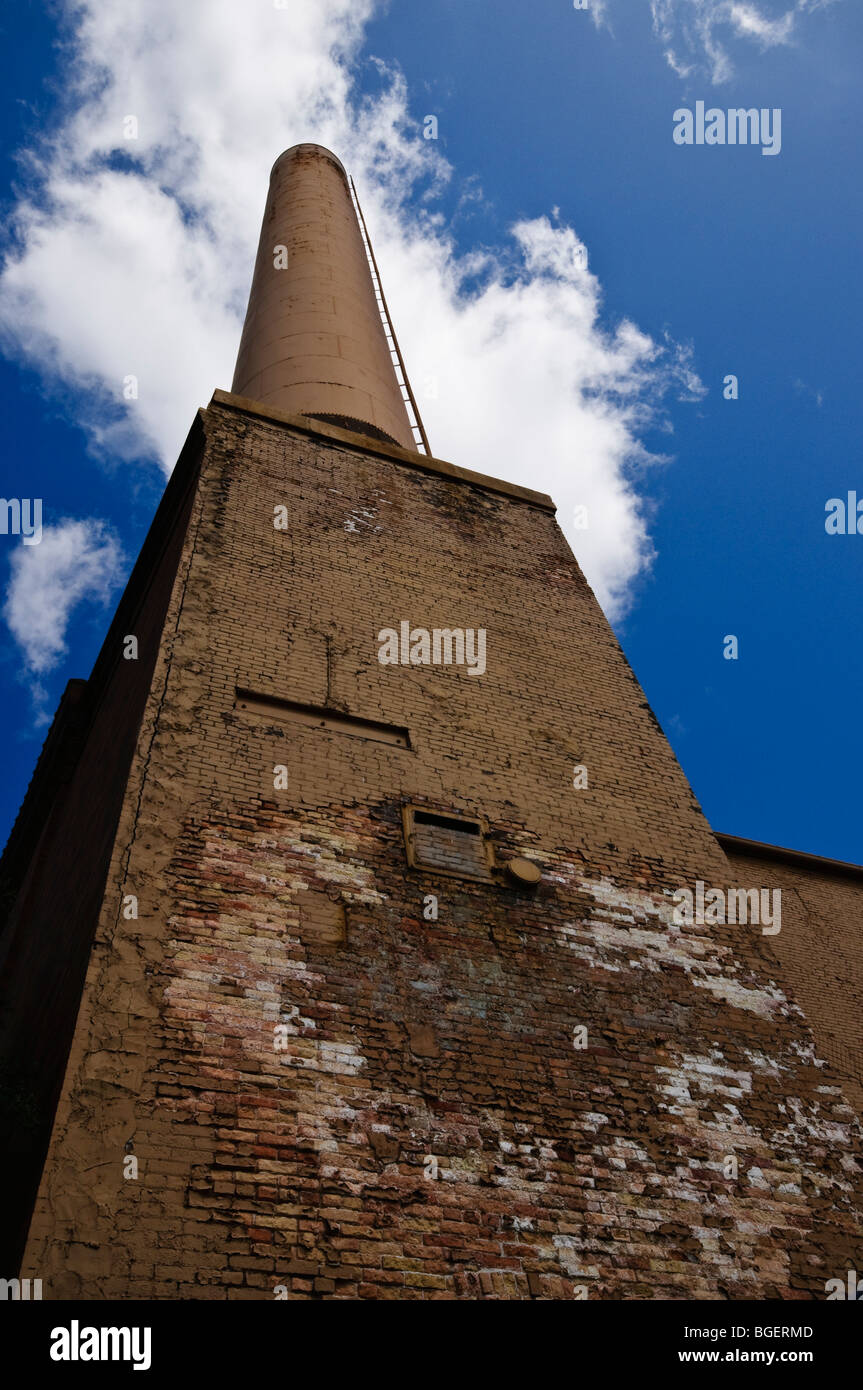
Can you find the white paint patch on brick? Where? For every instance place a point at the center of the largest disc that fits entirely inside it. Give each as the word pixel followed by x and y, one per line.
pixel 603 944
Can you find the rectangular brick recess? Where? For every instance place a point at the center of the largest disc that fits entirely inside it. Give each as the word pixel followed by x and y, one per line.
pixel 534 1095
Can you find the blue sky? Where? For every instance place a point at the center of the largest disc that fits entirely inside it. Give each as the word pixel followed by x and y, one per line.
pixel 707 515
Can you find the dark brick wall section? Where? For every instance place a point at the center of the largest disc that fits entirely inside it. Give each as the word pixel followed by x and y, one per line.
pixel 57 858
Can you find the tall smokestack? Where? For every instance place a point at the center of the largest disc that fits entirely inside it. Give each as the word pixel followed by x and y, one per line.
pixel 313 342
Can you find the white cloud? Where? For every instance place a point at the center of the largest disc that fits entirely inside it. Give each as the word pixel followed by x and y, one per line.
pixel 695 33
pixel 75 561
pixel 751 24
pixel 599 13
pixel 135 257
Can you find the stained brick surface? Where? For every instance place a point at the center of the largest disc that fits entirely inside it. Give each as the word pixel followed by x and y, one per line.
pixel 427 1127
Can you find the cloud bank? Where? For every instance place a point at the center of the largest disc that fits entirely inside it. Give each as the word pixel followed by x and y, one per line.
pixel 695 34
pixel 132 252
pixel 76 561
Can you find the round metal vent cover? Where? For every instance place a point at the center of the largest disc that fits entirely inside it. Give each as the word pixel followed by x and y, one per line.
pixel 524 871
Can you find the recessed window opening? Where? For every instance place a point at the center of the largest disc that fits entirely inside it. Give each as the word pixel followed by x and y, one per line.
pixel 464 827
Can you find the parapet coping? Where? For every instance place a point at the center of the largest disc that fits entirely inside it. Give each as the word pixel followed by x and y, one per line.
pixel 797 857
pixel 422 462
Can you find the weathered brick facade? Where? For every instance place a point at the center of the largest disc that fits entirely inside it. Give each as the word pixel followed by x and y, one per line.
pixel 820 946
pixel 327 1089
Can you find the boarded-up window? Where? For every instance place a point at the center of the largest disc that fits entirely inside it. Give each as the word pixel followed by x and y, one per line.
pixel 322 918
pixel 446 844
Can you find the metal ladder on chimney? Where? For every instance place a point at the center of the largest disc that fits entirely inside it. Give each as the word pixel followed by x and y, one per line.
pixel 411 407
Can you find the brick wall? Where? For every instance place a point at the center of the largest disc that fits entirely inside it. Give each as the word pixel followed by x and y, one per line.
pixel 532 1094
pixel 819 949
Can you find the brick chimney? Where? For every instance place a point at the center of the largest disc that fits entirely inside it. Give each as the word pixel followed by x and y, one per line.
pixel 313 342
